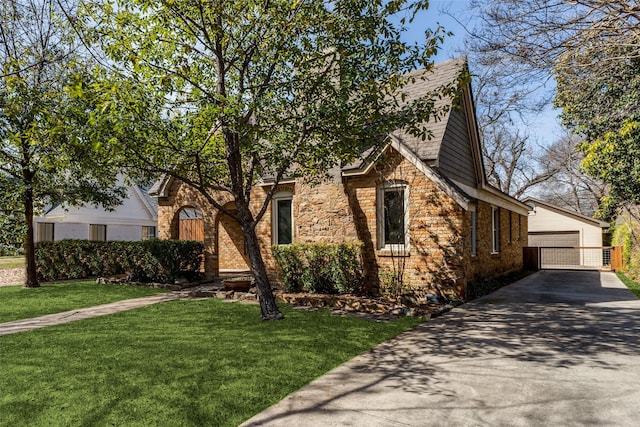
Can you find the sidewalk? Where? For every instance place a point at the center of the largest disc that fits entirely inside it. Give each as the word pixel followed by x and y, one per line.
pixel 86 313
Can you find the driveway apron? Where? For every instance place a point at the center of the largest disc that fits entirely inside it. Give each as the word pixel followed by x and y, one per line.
pixel 556 348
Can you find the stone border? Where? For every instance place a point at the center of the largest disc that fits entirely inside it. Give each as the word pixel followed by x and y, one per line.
pixel 340 304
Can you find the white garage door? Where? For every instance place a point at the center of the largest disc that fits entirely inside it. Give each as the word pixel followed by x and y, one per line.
pixel 555 239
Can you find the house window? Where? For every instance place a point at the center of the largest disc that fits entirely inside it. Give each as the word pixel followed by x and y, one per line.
pixel 474 233
pixel 393 216
pixel 510 227
pixel 45 231
pixel 98 232
pixel 495 230
pixel 148 232
pixel 282 218
pixel 518 227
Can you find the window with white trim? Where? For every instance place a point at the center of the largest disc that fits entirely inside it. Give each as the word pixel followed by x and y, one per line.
pixel 98 232
pixel 474 233
pixel 148 232
pixel 495 230
pixel 45 231
pixel 282 218
pixel 393 216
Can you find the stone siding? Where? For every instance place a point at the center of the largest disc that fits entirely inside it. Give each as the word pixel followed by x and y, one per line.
pixel 438 260
pixel 513 238
pixel 433 263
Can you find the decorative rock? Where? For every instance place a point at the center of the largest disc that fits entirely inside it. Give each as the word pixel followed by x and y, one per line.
pixel 181 281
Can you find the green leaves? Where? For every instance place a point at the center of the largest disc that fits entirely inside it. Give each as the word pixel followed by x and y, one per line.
pixel 599 93
pixel 614 159
pixel 305 83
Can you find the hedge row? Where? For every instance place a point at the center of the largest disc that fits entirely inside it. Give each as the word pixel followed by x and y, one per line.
pixel 143 261
pixel 320 267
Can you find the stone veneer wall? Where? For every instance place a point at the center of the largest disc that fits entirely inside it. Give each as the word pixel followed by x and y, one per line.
pixel 321 213
pixel 182 196
pixel 439 259
pixel 232 255
pixel 487 264
pixel 434 261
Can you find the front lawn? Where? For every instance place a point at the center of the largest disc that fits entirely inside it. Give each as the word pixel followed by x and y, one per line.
pixel 179 363
pixel 633 286
pixel 11 262
pixel 17 302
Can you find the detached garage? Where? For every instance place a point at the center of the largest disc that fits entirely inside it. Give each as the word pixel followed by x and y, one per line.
pixel 568 239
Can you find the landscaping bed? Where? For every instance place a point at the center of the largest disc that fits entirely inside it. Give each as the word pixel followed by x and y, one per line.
pixel 11 276
pixel 377 308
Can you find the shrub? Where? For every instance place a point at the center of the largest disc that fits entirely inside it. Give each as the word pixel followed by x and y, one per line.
pixel 144 261
pixel 289 260
pixel 320 267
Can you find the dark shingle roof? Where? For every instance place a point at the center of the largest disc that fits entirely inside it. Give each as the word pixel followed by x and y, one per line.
pixel 423 82
pixel 427 81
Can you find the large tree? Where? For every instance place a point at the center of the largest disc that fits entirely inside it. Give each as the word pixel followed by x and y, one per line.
pixel 592 48
pixel 47 155
pixel 251 89
pixel 599 93
pixel 569 186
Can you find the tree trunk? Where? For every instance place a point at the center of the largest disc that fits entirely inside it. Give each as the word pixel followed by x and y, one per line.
pixel 31 276
pixel 268 307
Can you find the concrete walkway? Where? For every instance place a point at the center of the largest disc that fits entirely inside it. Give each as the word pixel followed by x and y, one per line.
pixel 86 313
pixel 556 348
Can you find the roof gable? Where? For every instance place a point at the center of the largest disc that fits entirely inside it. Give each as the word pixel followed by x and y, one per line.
pixel 566 212
pixel 135 207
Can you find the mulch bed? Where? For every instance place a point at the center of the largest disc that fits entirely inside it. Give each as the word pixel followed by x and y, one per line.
pixel 11 276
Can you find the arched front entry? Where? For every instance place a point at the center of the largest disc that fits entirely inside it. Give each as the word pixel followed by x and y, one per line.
pixel 232 255
pixel 190 225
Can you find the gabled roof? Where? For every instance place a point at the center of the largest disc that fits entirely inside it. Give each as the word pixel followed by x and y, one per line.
pixel 135 207
pixel 425 155
pixel 421 83
pixel 160 188
pixel 425 81
pixel 567 212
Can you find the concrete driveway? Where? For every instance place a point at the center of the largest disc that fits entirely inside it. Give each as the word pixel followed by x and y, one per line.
pixel 556 348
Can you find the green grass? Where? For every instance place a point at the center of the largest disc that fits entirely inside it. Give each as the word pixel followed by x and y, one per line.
pixel 17 302
pixel 180 363
pixel 633 286
pixel 11 262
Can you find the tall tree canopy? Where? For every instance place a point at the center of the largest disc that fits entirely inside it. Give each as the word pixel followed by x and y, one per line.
pixel 592 48
pixel 46 150
pixel 239 90
pixel 599 93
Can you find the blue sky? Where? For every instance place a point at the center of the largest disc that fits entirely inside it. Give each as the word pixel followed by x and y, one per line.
pixel 544 127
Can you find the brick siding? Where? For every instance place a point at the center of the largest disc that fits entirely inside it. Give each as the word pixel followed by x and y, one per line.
pixel 439 258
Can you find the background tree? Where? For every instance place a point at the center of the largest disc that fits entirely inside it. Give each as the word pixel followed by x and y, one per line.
pixel 47 150
pixel 244 90
pixel 602 104
pixel 508 96
pixel 569 186
pixel 590 46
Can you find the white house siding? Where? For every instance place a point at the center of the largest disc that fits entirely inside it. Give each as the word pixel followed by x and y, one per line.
pixel 125 222
pixel 554 227
pixel 545 220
